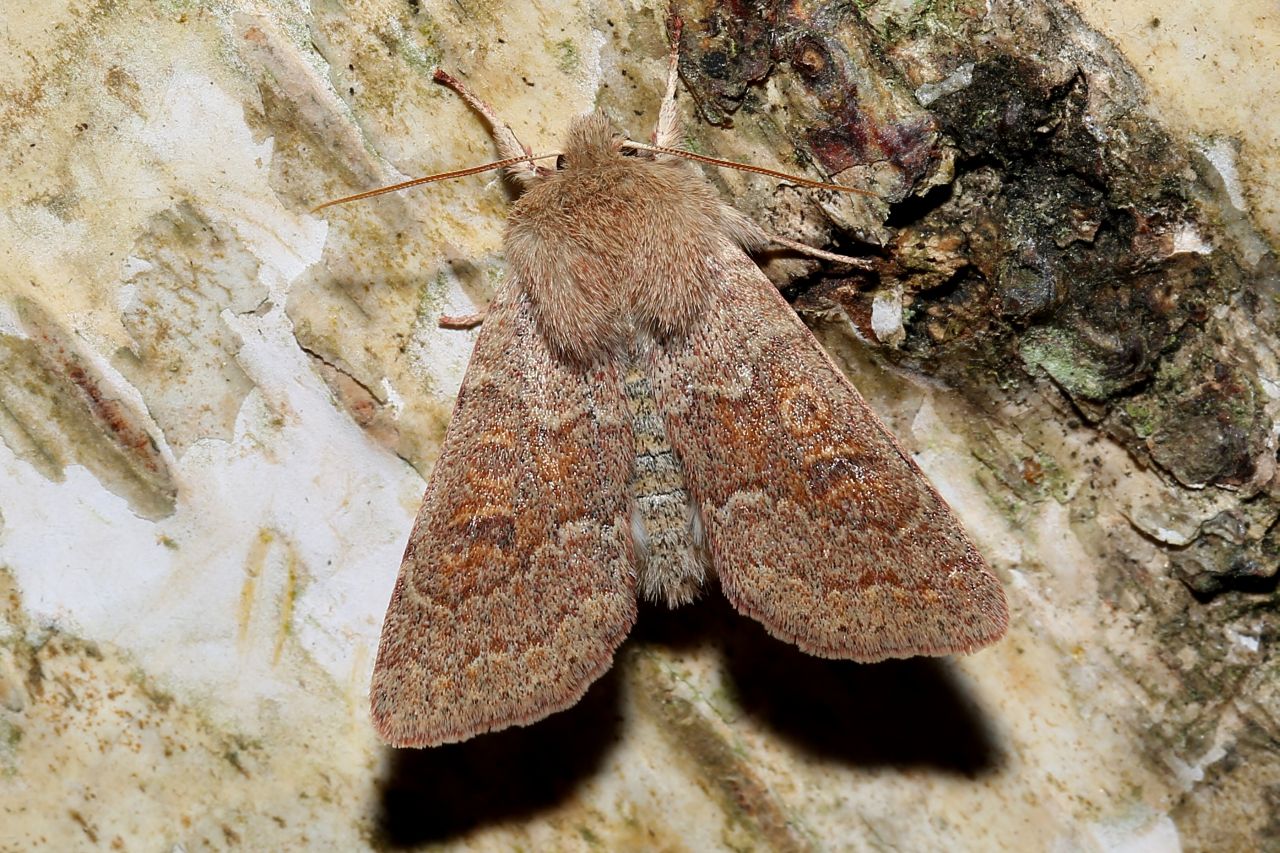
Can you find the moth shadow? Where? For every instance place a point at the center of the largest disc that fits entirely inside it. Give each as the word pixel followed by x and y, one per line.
pixel 433 795
pixel 913 713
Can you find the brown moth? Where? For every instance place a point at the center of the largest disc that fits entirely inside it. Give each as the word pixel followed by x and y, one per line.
pixel 643 410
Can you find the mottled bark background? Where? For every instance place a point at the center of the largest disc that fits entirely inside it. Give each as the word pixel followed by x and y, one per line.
pixel 217 410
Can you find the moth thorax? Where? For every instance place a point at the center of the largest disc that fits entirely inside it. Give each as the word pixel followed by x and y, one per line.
pixel 617 248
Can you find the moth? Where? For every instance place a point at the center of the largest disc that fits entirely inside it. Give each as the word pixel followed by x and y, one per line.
pixel 644 411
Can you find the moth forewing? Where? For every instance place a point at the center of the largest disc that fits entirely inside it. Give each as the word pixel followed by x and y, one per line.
pixel 820 525
pixel 517 582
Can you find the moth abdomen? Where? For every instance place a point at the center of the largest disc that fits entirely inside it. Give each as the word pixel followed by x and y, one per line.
pixel 665 524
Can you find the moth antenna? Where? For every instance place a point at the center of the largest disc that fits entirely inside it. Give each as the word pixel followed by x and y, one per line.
pixel 759 170
pixel 441 176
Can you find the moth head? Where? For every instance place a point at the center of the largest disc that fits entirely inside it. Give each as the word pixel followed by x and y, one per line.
pixel 592 140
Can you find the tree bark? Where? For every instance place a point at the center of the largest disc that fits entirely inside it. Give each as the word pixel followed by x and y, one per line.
pixel 217 410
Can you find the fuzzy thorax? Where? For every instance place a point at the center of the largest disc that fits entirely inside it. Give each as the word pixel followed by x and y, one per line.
pixel 611 246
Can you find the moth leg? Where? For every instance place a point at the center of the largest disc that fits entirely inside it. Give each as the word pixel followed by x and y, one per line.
pixel 668 132
pixel 860 263
pixel 461 322
pixel 503 136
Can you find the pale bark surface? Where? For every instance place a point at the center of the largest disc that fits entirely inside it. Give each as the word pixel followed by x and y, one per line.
pixel 216 411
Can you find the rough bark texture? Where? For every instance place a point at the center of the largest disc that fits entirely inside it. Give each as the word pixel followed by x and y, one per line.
pixel 1077 264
